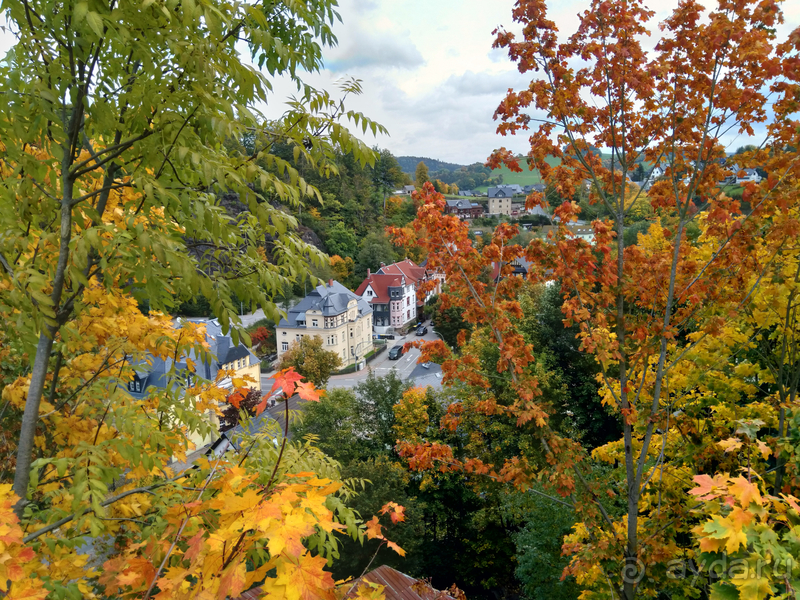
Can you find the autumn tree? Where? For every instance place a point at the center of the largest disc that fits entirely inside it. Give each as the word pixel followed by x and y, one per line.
pixel 309 358
pixel 661 317
pixel 421 174
pixel 112 164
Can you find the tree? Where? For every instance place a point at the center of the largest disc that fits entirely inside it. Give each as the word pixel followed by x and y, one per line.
pixel 342 268
pixel 112 162
pixel 373 250
pixel 311 360
pixel 659 317
pixel 386 173
pixel 421 174
pixel 341 241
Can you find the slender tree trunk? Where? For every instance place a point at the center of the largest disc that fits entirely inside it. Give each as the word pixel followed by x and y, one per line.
pixel 44 350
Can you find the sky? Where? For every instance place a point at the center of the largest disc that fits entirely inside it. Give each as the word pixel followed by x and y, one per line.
pixel 429 72
pixel 431 77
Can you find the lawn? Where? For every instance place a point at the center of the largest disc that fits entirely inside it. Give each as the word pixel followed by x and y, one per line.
pixel 525 178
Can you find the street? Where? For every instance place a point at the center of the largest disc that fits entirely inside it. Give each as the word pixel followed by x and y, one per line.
pixel 381 366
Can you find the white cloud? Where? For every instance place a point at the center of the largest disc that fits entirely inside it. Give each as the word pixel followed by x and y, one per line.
pixel 374 50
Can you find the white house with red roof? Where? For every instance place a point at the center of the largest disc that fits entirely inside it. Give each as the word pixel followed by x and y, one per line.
pixel 393 300
pixel 417 275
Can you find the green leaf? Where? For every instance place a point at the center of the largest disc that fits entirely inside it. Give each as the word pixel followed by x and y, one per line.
pixel 95 21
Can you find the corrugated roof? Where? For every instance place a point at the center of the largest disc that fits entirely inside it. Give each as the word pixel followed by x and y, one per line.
pixel 398 586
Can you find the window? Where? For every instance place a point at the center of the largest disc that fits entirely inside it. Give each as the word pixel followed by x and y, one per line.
pixel 284 346
pixel 352 351
pixel 135 386
pixel 314 323
pixel 408 301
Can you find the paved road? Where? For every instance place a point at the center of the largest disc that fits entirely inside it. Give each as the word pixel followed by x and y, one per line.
pixel 382 365
pixel 404 367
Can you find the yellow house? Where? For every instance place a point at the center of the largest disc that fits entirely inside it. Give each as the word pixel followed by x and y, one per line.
pixel 333 313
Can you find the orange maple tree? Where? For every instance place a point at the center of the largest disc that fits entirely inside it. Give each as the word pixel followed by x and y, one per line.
pixel 670 320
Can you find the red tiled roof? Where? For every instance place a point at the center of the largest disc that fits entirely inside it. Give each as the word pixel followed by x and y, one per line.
pixel 405 267
pixel 398 585
pixel 380 283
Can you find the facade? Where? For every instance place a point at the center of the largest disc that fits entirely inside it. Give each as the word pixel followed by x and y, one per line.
pixel 748 175
pixel 332 312
pixel 417 275
pixel 463 208
pixel 499 205
pixel 393 299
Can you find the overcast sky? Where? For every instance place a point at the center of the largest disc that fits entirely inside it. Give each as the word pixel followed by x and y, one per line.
pixel 429 72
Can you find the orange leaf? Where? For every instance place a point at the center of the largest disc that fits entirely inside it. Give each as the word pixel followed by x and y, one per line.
pixel 374 528
pixel 307 391
pixel 396 548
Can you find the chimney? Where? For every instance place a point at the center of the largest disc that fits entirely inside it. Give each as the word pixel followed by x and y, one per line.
pixel 368 272
pixel 383 264
pixel 330 282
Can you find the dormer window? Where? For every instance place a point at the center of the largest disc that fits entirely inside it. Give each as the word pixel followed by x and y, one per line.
pixel 135 386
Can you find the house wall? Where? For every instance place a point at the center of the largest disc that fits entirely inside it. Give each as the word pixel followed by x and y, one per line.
pixel 499 206
pixel 342 338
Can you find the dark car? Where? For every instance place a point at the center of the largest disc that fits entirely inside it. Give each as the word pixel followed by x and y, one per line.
pixel 422 330
pixel 395 352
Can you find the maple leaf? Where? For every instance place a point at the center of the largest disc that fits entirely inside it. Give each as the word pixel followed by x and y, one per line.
pixel 396 548
pixel 730 444
pixel 300 579
pixel 374 529
pixel 286 380
pixel 307 391
pixel 745 491
pixel 705 487
pixel 396 512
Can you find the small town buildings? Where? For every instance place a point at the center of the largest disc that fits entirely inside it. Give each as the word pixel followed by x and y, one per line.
pixel 167 373
pixel 332 312
pixel 155 372
pixel 406 189
pixel 417 274
pixel 393 298
pixel 747 176
pixel 536 187
pixel 463 208
pixel 499 205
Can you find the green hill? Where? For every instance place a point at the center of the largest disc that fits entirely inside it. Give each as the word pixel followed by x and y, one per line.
pixel 525 178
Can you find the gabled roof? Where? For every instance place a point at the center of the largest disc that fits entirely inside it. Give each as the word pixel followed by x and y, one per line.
pixel 380 284
pixel 459 204
pixel 330 299
pixel 407 267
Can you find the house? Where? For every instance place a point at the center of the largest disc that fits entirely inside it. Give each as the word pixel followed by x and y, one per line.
pixel 156 372
pixel 499 205
pixel 467 193
pixel 520 265
pixel 463 208
pixel 536 187
pixel 393 299
pixel 417 275
pixel 406 189
pixel 333 313
pixel 504 191
pixel 161 373
pixel 747 175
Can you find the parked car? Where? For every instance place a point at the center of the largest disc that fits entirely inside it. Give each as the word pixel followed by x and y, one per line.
pixel 396 352
pixel 422 330
pixel 275 397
